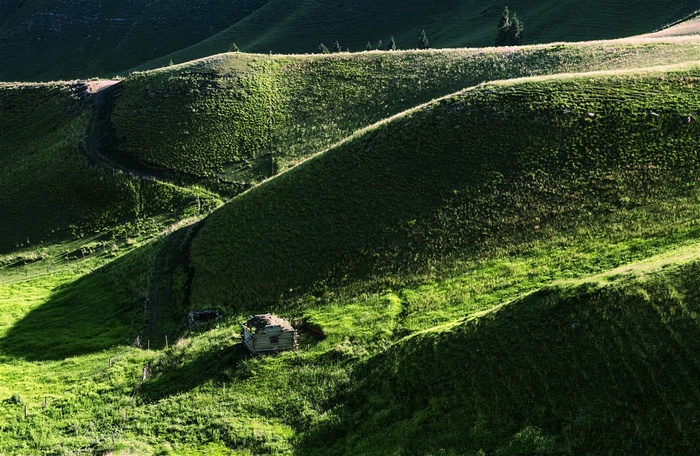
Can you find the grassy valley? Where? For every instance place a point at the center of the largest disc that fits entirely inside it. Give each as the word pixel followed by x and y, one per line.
pixel 487 251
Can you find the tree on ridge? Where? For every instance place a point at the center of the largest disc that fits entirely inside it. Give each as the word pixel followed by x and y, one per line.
pixel 423 42
pixel 392 44
pixel 510 31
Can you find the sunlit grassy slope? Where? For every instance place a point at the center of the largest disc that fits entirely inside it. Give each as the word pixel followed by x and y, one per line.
pixel 243 117
pixel 283 26
pixel 596 367
pixel 471 173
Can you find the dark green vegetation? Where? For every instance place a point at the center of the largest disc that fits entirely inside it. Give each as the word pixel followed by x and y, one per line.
pixel 43 40
pixel 510 30
pixel 508 269
pixel 46 174
pixel 299 27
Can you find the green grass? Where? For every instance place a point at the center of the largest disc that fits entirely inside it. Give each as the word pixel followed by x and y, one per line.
pixel 510 269
pixel 204 392
pixel 50 192
pixel 589 368
pixel 473 173
pixel 225 116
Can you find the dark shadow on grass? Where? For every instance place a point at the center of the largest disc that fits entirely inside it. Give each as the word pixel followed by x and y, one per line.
pixel 109 306
pixel 93 313
pixel 85 316
pixel 173 375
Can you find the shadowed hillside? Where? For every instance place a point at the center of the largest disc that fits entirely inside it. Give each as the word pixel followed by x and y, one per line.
pixel 51 189
pixel 44 40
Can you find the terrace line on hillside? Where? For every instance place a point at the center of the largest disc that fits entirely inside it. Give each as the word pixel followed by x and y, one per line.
pixel 268 333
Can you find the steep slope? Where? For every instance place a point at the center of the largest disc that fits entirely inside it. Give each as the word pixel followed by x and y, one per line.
pixel 43 40
pixel 599 367
pixel 284 26
pixel 495 165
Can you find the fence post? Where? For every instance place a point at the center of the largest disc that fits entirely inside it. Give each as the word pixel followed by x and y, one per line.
pixel 166 341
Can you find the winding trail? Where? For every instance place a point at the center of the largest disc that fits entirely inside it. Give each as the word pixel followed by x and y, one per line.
pixel 100 136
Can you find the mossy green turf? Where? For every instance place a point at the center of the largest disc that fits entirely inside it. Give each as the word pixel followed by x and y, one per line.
pixel 233 115
pixel 501 163
pixel 582 187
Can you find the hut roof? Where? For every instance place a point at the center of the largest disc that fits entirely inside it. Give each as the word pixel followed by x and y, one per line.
pixel 264 320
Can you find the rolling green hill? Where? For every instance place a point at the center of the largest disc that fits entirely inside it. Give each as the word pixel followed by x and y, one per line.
pixel 495 165
pixel 570 369
pixel 486 251
pixel 231 116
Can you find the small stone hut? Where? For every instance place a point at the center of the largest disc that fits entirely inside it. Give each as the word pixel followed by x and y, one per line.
pixel 268 333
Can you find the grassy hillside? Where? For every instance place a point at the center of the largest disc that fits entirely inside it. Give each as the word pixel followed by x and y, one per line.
pixel 595 367
pixel 49 191
pixel 497 165
pixel 508 269
pixel 44 40
pixel 283 26
pixel 242 117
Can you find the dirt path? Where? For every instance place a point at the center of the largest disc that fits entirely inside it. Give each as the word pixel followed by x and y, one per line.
pixel 100 138
pixel 93 87
pixel 165 307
